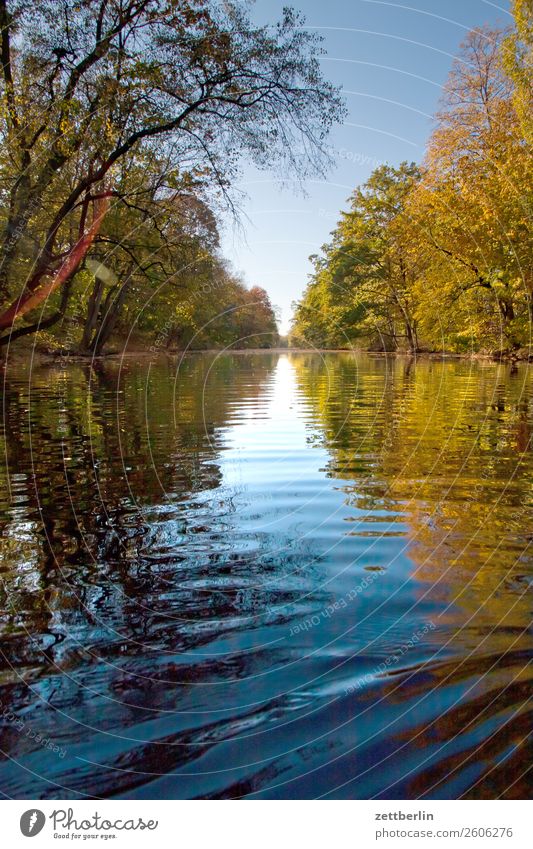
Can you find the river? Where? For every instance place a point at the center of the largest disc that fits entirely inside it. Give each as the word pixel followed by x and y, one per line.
pixel 266 575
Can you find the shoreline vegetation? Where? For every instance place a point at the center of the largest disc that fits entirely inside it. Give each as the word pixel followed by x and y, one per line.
pixel 123 129
pixel 64 358
pixel 439 255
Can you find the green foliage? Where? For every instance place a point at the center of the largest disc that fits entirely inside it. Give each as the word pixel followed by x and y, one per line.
pixel 362 289
pixel 441 256
pixel 153 104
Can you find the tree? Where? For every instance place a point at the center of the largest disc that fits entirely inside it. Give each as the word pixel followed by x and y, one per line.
pixel 86 84
pixel 441 255
pixel 153 247
pixel 364 280
pixel 518 63
pixel 471 209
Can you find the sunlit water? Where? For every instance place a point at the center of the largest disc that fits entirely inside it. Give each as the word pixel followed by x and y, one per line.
pixel 266 576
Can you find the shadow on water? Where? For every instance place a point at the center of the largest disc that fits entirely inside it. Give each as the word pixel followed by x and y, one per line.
pixel 278 576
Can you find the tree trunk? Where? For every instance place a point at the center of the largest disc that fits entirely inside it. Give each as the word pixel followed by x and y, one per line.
pixel 43 323
pixel 410 332
pixel 109 321
pixel 36 291
pixel 93 308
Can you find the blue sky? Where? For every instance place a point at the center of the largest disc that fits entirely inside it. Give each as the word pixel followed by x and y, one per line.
pixel 391 60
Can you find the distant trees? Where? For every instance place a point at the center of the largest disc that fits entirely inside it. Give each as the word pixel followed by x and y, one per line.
pixel 442 256
pixel 364 280
pixel 119 113
pixel 222 313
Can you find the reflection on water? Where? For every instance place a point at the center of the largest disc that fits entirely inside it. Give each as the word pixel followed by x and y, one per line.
pixel 268 576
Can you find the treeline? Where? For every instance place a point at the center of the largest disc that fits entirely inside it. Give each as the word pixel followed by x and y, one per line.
pixel 122 125
pixel 439 256
pixel 154 278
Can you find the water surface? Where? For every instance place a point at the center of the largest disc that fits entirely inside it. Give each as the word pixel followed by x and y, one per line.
pixel 266 576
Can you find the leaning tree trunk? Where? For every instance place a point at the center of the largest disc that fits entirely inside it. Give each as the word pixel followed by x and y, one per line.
pixel 45 282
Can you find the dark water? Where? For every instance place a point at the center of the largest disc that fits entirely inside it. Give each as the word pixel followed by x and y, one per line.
pixel 267 576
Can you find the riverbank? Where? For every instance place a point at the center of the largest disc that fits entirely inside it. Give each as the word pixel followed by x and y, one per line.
pixel 35 355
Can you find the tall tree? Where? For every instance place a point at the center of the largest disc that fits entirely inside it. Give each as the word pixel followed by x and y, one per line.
pixel 518 62
pixel 442 256
pixel 472 207
pixel 87 82
pixel 365 273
